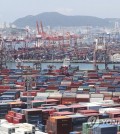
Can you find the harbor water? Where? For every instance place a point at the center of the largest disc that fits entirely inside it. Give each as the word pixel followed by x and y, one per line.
pixel 82 66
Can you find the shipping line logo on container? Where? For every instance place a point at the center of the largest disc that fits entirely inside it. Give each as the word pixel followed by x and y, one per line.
pixel 93 120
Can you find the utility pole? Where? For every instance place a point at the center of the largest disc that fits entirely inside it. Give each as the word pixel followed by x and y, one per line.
pixel 106 56
pixel 28 83
pixel 28 86
pixel 94 54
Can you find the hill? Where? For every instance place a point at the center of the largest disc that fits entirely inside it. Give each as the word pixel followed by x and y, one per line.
pixel 56 19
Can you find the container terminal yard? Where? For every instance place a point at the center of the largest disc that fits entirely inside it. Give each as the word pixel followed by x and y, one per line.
pixel 64 100
pixel 55 45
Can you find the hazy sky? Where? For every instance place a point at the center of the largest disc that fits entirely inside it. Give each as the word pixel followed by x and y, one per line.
pixel 13 9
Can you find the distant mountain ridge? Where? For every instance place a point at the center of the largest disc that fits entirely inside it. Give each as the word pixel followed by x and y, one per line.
pixel 56 19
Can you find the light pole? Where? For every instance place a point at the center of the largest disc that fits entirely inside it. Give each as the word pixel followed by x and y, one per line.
pixel 2 53
pixel 28 86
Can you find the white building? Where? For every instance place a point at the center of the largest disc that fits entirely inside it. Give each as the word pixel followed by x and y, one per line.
pixel 115 58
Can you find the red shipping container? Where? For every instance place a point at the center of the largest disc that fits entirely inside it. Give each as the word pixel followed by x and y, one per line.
pixel 20 83
pixel 20 116
pixel 52 87
pixel 87 111
pixel 16 104
pixel 51 111
pixel 9 118
pixel 107 98
pixel 33 84
pixel 30 93
pixel 17 120
pixel 62 113
pixel 67 79
pixel 114 114
pixel 59 99
pixel 82 100
pixel 92 114
pixel 42 89
pixel 3 90
pixel 12 113
pixel 4 87
pixel 77 107
pixel 52 101
pixel 116 99
pixel 68 101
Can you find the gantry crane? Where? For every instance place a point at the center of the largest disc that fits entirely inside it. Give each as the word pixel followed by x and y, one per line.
pixel 102 47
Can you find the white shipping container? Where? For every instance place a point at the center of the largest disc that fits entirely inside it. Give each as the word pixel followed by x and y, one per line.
pixel 38 132
pixel 105 110
pixel 2 132
pixel 106 93
pixel 91 85
pixel 55 95
pixel 23 130
pixel 101 89
pixel 43 94
pixel 66 83
pixel 40 98
pixel 3 121
pixel 116 94
pixel 92 106
pixel 106 76
pixel 108 102
pixel 96 99
pixel 97 95
pixel 74 89
pixel 29 126
pixel 82 96
pixel 80 89
pixel 26 126
pixel 69 95
pixel 7 129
